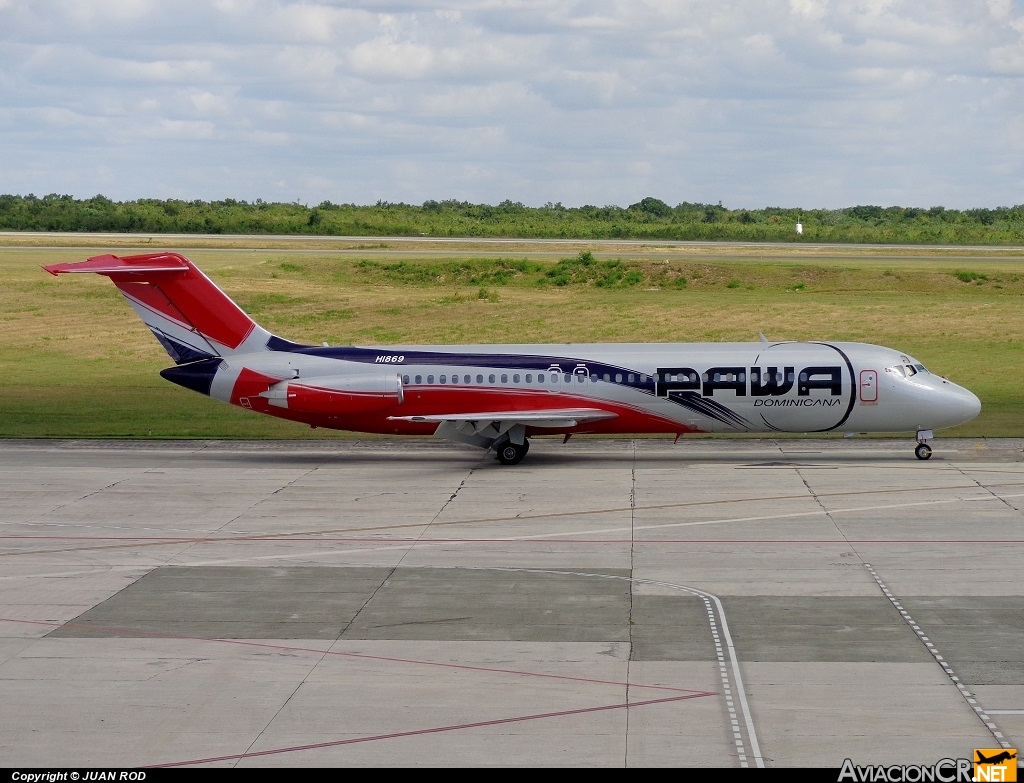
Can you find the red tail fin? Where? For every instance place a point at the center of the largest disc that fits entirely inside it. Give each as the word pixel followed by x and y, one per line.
pixel 187 312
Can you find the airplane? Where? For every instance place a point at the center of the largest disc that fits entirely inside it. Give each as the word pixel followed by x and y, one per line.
pixel 497 396
pixel 996 759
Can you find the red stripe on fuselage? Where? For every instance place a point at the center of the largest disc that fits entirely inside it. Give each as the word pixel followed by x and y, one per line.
pixel 434 401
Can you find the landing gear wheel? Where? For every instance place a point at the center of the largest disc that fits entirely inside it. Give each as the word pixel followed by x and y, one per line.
pixel 923 451
pixel 510 453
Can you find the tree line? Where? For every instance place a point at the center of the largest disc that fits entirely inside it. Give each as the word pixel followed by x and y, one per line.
pixel 649 218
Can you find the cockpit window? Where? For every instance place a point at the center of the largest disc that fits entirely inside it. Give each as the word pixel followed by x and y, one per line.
pixel 920 368
pixel 910 370
pixel 898 369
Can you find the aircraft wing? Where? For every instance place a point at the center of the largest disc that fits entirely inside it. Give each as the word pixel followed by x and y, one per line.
pixel 556 418
pixel 487 428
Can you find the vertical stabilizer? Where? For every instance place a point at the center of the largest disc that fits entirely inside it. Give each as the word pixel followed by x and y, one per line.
pixel 190 316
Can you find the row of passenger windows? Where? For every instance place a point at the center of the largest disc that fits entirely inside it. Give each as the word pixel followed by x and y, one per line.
pixel 580 378
pixel 516 378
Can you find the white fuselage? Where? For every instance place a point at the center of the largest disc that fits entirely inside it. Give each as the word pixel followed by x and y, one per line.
pixel 682 387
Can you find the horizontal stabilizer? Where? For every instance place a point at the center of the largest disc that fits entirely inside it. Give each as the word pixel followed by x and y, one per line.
pixel 190 316
pixel 113 265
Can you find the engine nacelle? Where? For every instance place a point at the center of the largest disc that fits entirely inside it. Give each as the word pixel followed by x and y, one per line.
pixel 338 395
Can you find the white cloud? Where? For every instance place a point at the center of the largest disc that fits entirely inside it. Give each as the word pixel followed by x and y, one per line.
pixel 179 129
pixel 579 102
pixel 208 103
pixel 383 58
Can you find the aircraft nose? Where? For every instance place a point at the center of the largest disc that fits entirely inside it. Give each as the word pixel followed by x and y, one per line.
pixel 972 405
pixel 962 405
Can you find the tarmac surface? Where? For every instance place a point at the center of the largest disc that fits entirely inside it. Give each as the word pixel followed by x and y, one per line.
pixel 606 603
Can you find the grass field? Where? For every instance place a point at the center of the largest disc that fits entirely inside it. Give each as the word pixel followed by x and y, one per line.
pixel 78 363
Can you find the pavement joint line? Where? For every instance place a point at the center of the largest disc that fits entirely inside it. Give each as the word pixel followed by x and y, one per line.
pixel 661 506
pixel 537 537
pixel 713 606
pixel 946 668
pixel 994 496
pixel 248 643
pixel 422 732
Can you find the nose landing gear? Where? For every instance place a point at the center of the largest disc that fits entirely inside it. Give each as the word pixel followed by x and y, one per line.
pixel 923 450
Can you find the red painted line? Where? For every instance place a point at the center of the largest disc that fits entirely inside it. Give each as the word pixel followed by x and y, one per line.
pixel 536 540
pixel 168 539
pixel 131 632
pixel 434 730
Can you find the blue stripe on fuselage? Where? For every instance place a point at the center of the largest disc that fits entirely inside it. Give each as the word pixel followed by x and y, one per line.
pixel 498 361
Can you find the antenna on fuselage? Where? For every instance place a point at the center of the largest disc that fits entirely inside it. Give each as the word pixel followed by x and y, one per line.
pixel 763 338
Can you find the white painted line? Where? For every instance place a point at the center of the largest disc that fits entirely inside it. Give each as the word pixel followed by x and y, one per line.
pixel 982 714
pixel 737 677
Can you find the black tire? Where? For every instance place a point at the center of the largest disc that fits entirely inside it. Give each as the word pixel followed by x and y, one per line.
pixel 510 453
pixel 923 451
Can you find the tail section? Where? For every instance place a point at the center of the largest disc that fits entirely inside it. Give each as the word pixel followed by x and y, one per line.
pixel 191 317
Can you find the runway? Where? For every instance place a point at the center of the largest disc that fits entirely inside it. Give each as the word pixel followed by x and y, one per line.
pixel 606 603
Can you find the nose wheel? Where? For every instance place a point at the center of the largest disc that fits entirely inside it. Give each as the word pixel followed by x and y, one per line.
pixel 923 450
pixel 510 453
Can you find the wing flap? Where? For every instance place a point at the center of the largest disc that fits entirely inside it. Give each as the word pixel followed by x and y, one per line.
pixel 551 417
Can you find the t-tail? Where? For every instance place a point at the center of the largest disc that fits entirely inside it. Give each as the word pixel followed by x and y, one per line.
pixel 195 322
pixel 190 316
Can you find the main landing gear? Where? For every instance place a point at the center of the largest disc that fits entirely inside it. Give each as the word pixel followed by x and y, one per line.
pixel 923 450
pixel 510 453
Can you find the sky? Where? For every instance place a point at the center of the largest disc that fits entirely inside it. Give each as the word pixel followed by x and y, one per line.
pixel 751 103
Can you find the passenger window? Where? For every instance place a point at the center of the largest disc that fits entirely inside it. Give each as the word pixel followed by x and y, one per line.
pixel 419 379
pixel 479 379
pixel 632 377
pixel 541 377
pixel 554 378
pixel 490 378
pixel 529 378
pixel 643 379
pixel 568 378
pixel 430 379
pixel 405 379
pixel 607 377
pixel 515 378
pixel 789 377
pixel 618 377
pixel 442 378
pixel 504 378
